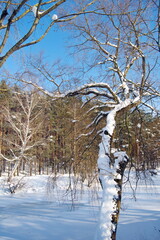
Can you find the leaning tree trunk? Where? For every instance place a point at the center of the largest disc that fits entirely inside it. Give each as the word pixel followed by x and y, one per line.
pixel 111 171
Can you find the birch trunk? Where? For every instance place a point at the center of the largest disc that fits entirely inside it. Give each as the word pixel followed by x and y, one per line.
pixel 111 170
pixel 11 174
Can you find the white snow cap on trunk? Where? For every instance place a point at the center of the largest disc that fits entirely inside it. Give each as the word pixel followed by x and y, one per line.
pixel 120 157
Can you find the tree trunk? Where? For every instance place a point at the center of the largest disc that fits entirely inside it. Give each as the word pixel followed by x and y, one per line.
pixel 122 163
pixel 13 171
pixel 111 170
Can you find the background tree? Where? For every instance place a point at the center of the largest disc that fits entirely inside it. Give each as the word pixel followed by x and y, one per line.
pixel 137 133
pixel 4 99
pixel 22 118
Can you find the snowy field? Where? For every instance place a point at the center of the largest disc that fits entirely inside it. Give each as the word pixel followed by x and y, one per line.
pixel 38 213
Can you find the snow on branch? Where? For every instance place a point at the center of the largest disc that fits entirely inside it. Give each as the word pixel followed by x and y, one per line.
pixel 149 106
pixel 34 10
pixel 54 17
pixel 97 119
pixel 100 106
pixel 120 157
pixel 85 134
pixel 91 88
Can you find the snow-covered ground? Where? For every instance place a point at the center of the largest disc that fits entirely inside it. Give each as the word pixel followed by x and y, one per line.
pixel 140 218
pixel 37 212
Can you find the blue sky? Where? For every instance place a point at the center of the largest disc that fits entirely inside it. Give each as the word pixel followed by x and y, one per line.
pixel 53 47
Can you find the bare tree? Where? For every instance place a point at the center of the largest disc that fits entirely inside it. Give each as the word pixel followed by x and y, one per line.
pixel 23 119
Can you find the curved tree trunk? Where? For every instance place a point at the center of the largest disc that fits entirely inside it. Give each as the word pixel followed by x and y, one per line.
pixel 111 170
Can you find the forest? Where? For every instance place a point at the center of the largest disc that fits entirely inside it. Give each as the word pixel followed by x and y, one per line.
pixel 54 135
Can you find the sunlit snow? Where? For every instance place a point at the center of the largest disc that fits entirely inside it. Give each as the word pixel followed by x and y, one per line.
pixel 37 213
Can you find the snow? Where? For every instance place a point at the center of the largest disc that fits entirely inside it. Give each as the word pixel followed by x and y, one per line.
pixel 105 224
pixel 139 125
pixel 35 212
pixel 54 17
pixel 34 10
pixel 74 121
pixel 125 87
pixel 140 218
pixel 119 157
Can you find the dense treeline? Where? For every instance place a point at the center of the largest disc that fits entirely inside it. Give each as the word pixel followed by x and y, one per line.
pixel 39 135
pixel 51 129
pixel 140 139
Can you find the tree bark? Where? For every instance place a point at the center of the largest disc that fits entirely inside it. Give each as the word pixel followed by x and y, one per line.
pixel 111 170
pixel 117 199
